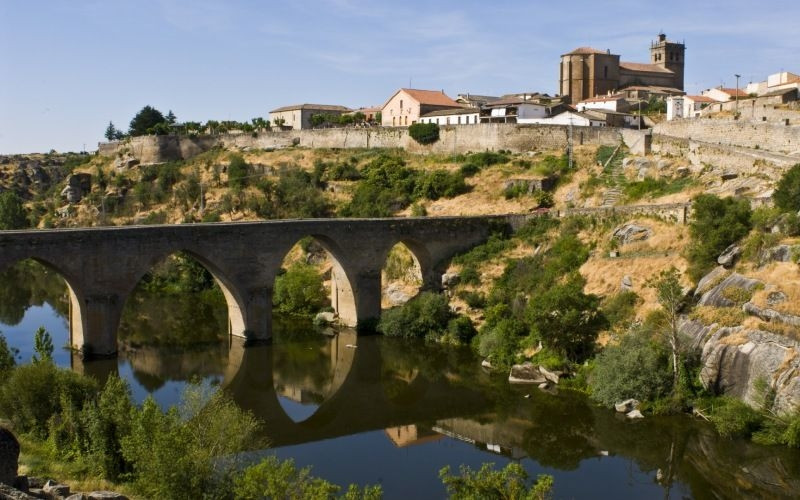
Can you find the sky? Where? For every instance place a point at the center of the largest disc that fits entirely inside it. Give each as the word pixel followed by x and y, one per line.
pixel 68 67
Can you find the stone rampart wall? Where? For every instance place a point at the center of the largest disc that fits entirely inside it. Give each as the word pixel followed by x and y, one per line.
pixel 674 212
pixel 452 139
pixel 772 137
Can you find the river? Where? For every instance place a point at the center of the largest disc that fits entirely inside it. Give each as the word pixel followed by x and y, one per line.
pixel 375 410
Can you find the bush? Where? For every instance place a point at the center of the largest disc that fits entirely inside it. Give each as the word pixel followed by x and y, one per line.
pixel 733 418
pixel 271 478
pixel 716 224
pixel 787 194
pixel 469 169
pixel 12 213
pixel 424 133
pixel 425 316
pixel 475 300
pixel 299 290
pixel 461 330
pixel 6 357
pixel 35 393
pixel 620 308
pixel 637 367
pixel 238 171
pixel 499 340
pixel 511 482
pixel 439 184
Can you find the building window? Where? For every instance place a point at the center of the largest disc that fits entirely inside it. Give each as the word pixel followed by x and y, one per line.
pixel 393 123
pixel 448 120
pixel 406 120
pixel 605 72
pixel 401 106
pixel 459 120
pixel 467 119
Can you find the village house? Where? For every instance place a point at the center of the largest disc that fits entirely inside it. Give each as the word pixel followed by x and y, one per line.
pixel 587 72
pixel 513 110
pixel 370 114
pixel 474 100
pixel 611 102
pixel 298 116
pixel 723 94
pixel 406 106
pixel 462 116
pixel 687 106
pixel 774 83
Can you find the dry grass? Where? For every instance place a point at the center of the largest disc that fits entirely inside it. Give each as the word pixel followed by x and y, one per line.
pixel 784 277
pixel 722 316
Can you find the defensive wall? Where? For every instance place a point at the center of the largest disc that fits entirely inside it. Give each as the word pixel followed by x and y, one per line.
pixel 452 139
pixel 102 266
pixel 773 137
pixel 673 212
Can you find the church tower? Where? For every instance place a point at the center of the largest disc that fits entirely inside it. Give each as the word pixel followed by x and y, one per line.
pixel 669 55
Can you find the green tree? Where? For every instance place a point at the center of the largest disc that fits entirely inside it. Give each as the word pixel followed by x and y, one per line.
pixel 669 292
pixel 424 133
pixel 42 345
pixel 509 483
pixel 425 316
pixel 238 170
pixel 7 361
pixel 716 224
pixel 787 194
pixel 299 290
pixel 12 213
pixel 170 118
pixel 111 132
pixel 565 319
pixel 144 121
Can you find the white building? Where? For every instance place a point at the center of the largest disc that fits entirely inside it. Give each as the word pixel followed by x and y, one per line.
pixel 777 81
pixel 723 94
pixel 687 106
pixel 615 102
pixel 574 118
pixel 463 116
pixel 513 110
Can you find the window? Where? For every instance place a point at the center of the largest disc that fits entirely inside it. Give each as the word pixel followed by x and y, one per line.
pixel 448 120
pixel 406 120
pixel 401 106
pixel 467 119
pixel 459 120
pixel 393 123
pixel 605 72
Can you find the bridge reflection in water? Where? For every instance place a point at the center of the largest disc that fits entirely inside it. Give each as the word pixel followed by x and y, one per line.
pixel 419 393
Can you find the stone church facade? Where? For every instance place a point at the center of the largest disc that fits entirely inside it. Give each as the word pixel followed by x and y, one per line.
pixel 587 72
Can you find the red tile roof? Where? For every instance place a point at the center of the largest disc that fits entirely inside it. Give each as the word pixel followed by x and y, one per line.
pixel 586 51
pixel 701 98
pixel 431 97
pixel 732 92
pixel 649 68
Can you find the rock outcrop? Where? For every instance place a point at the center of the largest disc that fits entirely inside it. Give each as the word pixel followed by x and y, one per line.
pixel 715 297
pixel 9 457
pixel 630 233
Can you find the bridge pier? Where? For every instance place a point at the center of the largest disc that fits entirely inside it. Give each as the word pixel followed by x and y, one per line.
pixel 93 323
pixel 252 320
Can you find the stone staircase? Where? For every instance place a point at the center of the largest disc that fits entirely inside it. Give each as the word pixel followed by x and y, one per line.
pixel 614 177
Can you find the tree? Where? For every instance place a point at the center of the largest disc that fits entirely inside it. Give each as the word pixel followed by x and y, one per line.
pixel 787 194
pixel 42 345
pixel 300 290
pixel 424 133
pixel 147 118
pixel 12 213
pixel 716 224
pixel 238 170
pixel 6 356
pixel 279 122
pixel 171 118
pixel 565 319
pixel 669 293
pixel 111 132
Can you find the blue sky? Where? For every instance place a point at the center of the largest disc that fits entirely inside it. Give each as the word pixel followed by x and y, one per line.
pixel 67 67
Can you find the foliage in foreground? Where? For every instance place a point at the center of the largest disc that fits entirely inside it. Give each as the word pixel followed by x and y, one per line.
pixel 510 482
pixel 716 224
pixel 299 290
pixel 426 316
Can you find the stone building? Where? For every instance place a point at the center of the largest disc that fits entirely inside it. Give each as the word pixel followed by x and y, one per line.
pixel 587 72
pixel 406 106
pixel 298 116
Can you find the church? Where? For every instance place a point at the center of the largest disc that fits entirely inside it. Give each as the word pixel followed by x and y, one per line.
pixel 587 72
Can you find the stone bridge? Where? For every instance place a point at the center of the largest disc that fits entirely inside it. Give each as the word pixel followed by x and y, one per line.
pixel 102 266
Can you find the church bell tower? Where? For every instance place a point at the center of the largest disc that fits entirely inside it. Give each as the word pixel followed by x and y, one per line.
pixel 669 55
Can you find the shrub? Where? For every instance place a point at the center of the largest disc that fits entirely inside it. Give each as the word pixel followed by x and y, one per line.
pixel 34 393
pixel 637 367
pixel 387 187
pixel 461 330
pixel 238 170
pixel 500 340
pixel 439 184
pixel 733 418
pixel 12 213
pixel 510 482
pixel 299 290
pixel 271 478
pixel 424 133
pixel 6 357
pixel 716 224
pixel 469 275
pixel 787 194
pixel 475 300
pixel 469 169
pixel 620 307
pixel 425 316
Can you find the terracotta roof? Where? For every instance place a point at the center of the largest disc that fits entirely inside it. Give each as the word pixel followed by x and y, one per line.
pixel 586 51
pixel 655 88
pixel 701 98
pixel 510 101
pixel 604 98
pixel 649 68
pixel 313 107
pixel 431 97
pixel 454 111
pixel 732 92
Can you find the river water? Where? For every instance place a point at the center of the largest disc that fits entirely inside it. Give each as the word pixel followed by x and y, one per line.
pixel 375 410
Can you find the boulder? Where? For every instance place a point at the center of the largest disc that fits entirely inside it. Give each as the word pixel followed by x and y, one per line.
pixel 450 280
pixel 9 456
pixel 9 493
pixel 771 315
pixel 682 172
pixel 486 364
pixel 714 296
pixel 726 176
pixel 396 296
pixel 550 376
pixel 728 257
pixel 526 373
pixel 634 414
pixel 55 489
pixel 325 318
pixel 706 281
pixel 629 233
pixel 780 253
pixel 626 406
pixel 106 495
pixel 626 285
pixel 77 496
pixel 775 298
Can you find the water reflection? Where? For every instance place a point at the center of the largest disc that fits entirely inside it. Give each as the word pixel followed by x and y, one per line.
pixel 387 410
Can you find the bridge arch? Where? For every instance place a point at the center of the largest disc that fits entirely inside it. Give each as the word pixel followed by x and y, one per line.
pixel 237 322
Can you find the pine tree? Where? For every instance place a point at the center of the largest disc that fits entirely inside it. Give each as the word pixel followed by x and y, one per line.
pixel 111 132
pixel 43 345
